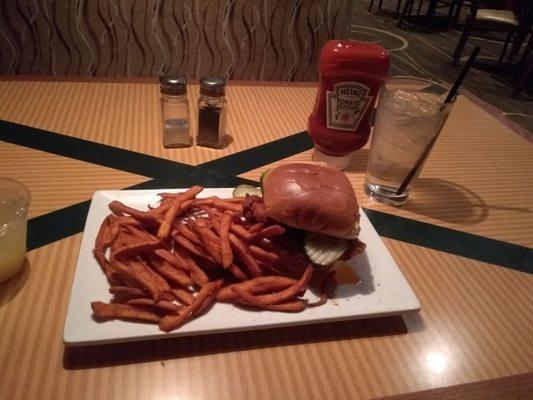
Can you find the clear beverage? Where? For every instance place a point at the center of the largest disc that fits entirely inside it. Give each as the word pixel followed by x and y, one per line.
pixel 410 113
pixel 14 202
pixel 12 249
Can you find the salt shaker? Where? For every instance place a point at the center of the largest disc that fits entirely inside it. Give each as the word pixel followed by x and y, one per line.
pixel 175 111
pixel 212 111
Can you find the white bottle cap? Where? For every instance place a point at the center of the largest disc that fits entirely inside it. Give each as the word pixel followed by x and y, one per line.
pixel 338 162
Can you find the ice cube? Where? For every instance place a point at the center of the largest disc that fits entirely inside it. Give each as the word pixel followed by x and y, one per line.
pixel 401 100
pixel 414 104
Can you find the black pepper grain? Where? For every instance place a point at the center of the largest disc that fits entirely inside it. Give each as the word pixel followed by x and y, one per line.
pixel 209 126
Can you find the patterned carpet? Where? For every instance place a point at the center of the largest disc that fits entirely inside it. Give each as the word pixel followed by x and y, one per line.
pixel 417 52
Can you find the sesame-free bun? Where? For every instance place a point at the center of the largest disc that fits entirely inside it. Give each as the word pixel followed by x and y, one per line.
pixel 312 196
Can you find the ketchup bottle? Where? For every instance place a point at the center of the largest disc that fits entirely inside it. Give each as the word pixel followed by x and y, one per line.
pixel 350 76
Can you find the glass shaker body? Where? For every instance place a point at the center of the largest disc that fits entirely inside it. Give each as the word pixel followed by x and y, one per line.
pixel 175 111
pixel 211 121
pixel 212 111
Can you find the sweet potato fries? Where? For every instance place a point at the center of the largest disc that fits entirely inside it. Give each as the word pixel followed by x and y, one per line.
pixel 171 263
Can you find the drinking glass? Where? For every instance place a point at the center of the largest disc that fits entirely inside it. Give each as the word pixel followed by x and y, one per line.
pixel 14 203
pixel 410 115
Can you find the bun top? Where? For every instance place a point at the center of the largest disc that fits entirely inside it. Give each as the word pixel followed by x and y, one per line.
pixel 314 197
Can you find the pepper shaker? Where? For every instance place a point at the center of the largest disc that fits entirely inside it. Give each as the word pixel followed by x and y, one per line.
pixel 212 106
pixel 175 111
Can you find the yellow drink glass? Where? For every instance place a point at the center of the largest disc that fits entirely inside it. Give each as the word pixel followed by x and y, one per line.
pixel 14 203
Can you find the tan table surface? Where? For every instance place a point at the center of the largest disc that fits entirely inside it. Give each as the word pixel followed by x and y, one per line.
pixel 476 322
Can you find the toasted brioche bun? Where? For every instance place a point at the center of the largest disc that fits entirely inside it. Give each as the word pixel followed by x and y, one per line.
pixel 314 197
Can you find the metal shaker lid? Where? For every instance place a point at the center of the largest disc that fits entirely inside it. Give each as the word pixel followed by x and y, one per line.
pixel 173 84
pixel 213 86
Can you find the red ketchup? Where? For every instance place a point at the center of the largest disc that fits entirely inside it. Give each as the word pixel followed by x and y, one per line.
pixel 350 75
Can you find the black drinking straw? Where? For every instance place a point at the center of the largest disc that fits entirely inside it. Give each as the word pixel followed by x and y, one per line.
pixel 449 98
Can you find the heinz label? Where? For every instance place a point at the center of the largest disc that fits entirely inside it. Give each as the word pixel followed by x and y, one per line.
pixel 346 105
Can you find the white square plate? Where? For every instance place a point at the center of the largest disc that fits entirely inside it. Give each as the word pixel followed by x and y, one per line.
pixel 383 289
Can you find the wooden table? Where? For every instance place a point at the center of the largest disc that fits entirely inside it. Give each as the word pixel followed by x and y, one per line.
pixel 464 241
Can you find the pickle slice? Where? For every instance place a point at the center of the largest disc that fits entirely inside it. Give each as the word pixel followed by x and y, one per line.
pixel 324 250
pixel 264 175
pixel 243 190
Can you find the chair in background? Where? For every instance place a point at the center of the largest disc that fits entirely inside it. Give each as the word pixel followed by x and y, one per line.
pixel 526 25
pixel 526 67
pixel 524 79
pixel 380 4
pixel 489 21
pixel 431 10
pixel 481 4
